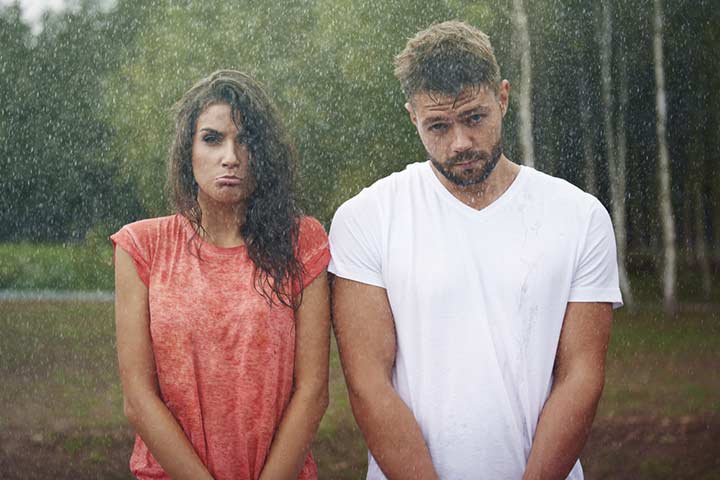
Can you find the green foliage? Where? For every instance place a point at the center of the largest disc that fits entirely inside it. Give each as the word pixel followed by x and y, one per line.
pixel 85 120
pixel 327 64
pixel 27 266
pixel 55 179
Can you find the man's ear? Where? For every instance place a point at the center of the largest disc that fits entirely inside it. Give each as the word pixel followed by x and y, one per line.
pixel 504 96
pixel 411 111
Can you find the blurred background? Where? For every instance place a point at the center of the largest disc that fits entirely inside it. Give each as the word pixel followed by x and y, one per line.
pixel 618 97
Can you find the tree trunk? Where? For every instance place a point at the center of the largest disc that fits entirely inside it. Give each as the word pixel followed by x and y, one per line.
pixel 700 242
pixel 616 171
pixel 522 37
pixel 619 183
pixel 588 131
pixel 698 167
pixel 665 204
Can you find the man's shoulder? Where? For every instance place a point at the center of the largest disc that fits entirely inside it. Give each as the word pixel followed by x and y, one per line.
pixel 557 190
pixel 382 191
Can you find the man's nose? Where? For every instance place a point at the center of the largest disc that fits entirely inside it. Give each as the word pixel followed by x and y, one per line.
pixel 460 140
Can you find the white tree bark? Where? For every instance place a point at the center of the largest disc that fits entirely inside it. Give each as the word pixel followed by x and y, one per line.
pixel 615 172
pixel 619 183
pixel 525 126
pixel 665 204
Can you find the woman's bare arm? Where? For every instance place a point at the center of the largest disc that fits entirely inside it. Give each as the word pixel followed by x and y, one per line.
pixel 143 406
pixel 310 393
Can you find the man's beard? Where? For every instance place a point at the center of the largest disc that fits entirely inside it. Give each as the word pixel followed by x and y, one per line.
pixel 491 160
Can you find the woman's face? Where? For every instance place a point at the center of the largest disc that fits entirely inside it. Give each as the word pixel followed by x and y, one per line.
pixel 221 164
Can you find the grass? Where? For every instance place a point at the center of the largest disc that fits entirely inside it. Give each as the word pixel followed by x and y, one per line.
pixel 664 363
pixel 60 384
pixel 88 266
pixel 58 365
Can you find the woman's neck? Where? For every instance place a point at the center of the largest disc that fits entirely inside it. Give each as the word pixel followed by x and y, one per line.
pixel 222 223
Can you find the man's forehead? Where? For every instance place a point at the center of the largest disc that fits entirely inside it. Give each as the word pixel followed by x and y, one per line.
pixel 470 97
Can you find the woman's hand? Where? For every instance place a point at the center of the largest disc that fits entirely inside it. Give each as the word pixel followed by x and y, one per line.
pixel 309 399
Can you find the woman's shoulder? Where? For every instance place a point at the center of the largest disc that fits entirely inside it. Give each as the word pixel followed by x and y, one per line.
pixel 312 238
pixel 310 227
pixel 151 231
pixel 155 226
pixel 313 249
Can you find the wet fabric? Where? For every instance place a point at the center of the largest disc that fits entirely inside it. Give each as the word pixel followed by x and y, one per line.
pixel 224 357
pixel 478 299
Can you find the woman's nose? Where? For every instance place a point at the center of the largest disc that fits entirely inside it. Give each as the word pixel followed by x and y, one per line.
pixel 231 155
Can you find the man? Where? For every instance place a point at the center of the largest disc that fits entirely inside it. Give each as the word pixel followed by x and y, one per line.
pixel 472 297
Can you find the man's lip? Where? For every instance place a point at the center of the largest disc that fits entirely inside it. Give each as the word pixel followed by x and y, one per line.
pixel 467 162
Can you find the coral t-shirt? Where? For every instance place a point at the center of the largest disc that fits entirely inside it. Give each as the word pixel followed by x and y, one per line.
pixel 224 357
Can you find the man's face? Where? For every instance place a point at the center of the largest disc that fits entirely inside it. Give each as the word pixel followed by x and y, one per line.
pixel 463 134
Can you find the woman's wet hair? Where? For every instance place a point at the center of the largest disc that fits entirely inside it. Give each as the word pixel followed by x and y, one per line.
pixel 270 226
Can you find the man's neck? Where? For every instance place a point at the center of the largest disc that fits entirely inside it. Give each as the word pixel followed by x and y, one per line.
pixel 480 195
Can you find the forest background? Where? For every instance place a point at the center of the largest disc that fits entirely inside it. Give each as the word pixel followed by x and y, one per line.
pixel 621 98
pixel 85 118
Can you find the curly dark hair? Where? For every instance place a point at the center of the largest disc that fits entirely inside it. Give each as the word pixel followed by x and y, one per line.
pixel 271 224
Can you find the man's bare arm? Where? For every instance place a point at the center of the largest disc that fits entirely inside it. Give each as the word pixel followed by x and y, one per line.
pixel 365 332
pixel 568 414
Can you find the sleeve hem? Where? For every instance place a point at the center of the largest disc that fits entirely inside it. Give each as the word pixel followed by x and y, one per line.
pixel 356 275
pixel 610 295
pixel 127 243
pixel 315 266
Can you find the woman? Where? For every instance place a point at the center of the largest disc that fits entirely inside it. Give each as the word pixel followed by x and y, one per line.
pixel 222 309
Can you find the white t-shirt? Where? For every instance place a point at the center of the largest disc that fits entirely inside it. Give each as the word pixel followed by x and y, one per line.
pixel 478 299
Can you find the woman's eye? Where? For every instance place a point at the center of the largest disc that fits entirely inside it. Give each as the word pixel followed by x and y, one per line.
pixel 210 138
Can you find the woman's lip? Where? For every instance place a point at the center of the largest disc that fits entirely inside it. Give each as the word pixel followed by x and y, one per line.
pixel 228 181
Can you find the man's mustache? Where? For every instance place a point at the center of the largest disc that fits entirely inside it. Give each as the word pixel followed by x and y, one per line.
pixel 468 156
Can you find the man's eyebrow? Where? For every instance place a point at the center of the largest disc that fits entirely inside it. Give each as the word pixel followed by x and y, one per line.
pixel 474 110
pixel 430 120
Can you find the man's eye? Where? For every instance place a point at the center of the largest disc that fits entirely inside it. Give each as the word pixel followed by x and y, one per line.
pixel 438 127
pixel 477 118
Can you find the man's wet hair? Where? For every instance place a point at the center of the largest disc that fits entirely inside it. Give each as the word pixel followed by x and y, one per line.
pixel 446 59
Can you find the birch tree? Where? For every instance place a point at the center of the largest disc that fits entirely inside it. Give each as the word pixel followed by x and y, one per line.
pixel 588 131
pixel 618 184
pixel 522 44
pixel 616 172
pixel 665 205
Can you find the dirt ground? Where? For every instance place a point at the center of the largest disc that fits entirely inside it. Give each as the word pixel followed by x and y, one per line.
pixel 619 448
pixel 61 415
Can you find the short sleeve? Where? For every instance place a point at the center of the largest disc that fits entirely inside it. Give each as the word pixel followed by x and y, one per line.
pixel 313 249
pixel 355 242
pixel 596 273
pixel 131 239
